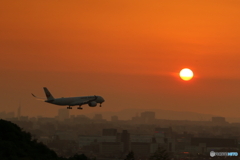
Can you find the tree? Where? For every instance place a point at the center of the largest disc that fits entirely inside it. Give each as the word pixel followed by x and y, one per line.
pixel 17 144
pixel 78 157
pixel 130 156
pixel 160 154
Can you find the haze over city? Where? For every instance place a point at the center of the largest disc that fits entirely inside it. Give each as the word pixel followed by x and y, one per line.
pixel 128 52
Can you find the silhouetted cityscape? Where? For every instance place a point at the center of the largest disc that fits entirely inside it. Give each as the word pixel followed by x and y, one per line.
pixel 143 134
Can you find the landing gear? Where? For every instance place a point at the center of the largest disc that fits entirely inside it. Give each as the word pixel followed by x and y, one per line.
pixel 100 105
pixel 69 107
pixel 79 107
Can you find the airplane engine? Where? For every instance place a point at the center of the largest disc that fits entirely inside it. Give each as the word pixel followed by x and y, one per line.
pixel 92 104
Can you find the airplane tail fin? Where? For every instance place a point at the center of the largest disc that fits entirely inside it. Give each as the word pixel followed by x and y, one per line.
pixel 48 94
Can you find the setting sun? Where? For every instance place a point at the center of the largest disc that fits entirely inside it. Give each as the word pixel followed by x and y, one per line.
pixel 186 74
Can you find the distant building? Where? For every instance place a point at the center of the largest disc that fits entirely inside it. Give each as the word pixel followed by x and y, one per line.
pixel 205 145
pixel 165 132
pixel 141 148
pixel 33 119
pixel 87 140
pixel 137 120
pixel 23 118
pixel 218 120
pixel 114 118
pixel 216 142
pixel 97 117
pixel 109 132
pixel 63 114
pixel 45 119
pixel 144 149
pixel 166 137
pixel 81 119
pixel 2 114
pixel 125 139
pixel 10 115
pixel 7 115
pixel 67 135
pixel 111 148
pixel 19 112
pixel 64 148
pixel 141 138
pixel 148 117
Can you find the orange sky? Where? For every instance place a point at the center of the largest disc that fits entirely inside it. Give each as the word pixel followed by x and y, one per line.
pixel 131 50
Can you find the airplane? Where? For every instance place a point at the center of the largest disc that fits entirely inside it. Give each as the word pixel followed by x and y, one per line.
pixel 72 101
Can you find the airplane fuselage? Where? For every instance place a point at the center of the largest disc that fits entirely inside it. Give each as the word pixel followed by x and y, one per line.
pixel 73 101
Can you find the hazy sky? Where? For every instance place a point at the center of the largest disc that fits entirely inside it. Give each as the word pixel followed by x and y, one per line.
pixel 129 52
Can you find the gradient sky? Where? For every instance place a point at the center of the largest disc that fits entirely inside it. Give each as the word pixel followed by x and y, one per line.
pixel 129 52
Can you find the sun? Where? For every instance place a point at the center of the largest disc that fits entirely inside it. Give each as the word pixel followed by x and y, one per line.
pixel 186 74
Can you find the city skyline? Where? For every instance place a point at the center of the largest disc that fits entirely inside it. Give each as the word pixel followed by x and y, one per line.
pixel 95 137
pixel 123 115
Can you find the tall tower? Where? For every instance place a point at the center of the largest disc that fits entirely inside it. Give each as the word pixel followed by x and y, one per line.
pixel 19 111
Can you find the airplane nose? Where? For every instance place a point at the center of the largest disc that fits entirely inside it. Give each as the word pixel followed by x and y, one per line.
pixel 102 99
